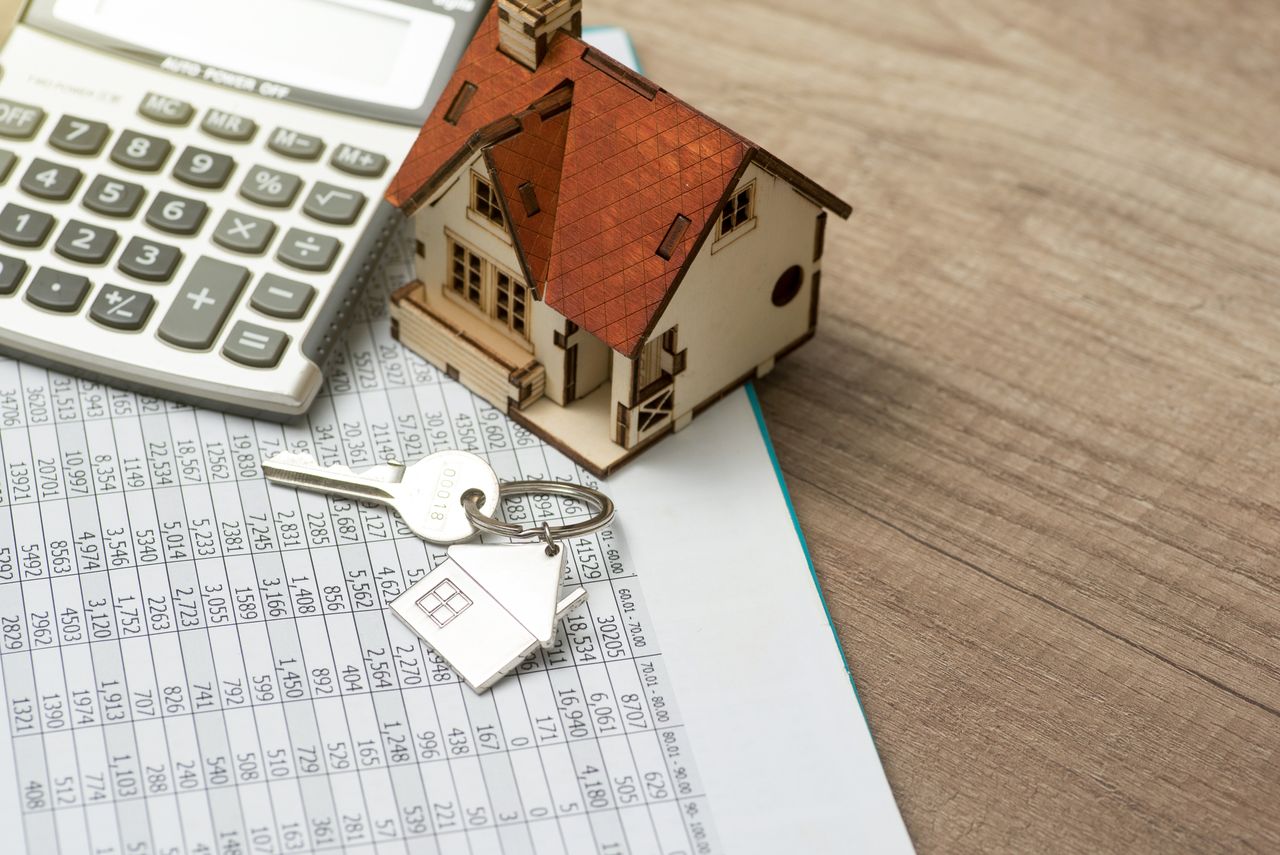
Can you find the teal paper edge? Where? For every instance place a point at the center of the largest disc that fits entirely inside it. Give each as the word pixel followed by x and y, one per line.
pixel 634 61
pixel 804 545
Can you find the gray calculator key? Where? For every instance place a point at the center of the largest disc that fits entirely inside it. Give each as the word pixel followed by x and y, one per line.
pixel 293 144
pixel 57 290
pixel 201 168
pixel 357 161
pixel 255 346
pixel 330 204
pixel 148 260
pixel 24 227
pixel 307 250
pixel 12 272
pixel 7 160
pixel 228 126
pixel 112 197
pixel 121 308
pixel 140 151
pixel 176 214
pixel 166 110
pixel 244 233
pixel 281 298
pixel 203 304
pixel 270 187
pixel 19 121
pixel 48 180
pixel 75 135
pixel 85 243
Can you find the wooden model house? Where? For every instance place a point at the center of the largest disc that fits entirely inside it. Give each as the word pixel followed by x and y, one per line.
pixel 595 257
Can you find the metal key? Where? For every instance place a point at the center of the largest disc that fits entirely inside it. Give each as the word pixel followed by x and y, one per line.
pixel 427 494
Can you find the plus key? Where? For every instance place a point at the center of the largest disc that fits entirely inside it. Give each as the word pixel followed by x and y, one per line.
pixel 201 307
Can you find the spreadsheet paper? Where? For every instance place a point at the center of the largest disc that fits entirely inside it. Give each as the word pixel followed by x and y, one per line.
pixel 194 661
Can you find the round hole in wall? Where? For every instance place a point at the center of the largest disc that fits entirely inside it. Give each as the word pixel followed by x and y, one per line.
pixel 788 285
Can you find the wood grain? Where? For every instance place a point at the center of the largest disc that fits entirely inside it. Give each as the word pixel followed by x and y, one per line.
pixel 1034 445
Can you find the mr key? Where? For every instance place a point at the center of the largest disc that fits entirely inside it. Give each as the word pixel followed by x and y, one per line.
pixel 427 494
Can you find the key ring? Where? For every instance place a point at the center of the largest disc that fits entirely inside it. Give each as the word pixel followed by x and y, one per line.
pixel 472 499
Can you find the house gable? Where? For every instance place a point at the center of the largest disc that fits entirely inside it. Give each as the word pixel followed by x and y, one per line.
pixel 634 161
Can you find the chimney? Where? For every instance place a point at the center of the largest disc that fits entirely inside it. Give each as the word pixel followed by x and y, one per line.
pixel 525 27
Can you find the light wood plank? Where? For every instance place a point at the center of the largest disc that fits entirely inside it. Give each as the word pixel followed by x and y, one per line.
pixel 1034 444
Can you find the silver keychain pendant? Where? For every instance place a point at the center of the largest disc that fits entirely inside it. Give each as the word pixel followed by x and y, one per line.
pixel 488 606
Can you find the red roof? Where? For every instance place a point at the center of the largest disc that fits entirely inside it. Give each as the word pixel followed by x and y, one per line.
pixel 612 160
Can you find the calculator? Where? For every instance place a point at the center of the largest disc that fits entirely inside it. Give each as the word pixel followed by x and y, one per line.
pixel 191 192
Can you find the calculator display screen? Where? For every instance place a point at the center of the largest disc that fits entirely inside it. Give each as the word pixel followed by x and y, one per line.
pixel 381 53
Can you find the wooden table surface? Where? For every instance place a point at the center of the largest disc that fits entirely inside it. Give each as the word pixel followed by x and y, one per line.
pixel 1034 444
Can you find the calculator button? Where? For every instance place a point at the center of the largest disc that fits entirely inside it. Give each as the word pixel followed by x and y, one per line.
pixel 243 233
pixel 202 305
pixel 336 205
pixel 113 198
pixel 85 243
pixel 357 161
pixel 121 308
pixel 150 261
pixel 293 144
pixel 201 168
pixel 176 214
pixel 162 108
pixel 141 152
pixel 79 136
pixel 255 346
pixel 270 187
pixel 228 126
pixel 281 298
pixel 19 121
pixel 307 250
pixel 24 227
pixel 57 291
pixel 7 160
pixel 50 180
pixel 12 272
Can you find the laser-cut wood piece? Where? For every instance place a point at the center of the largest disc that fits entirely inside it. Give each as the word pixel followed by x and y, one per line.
pixel 659 234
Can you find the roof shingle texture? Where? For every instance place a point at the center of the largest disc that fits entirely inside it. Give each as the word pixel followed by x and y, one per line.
pixel 610 175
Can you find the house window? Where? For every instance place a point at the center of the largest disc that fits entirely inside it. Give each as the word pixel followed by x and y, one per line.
pixel 466 275
pixel 489 288
pixel 788 285
pixel 484 200
pixel 443 603
pixel 512 299
pixel 739 210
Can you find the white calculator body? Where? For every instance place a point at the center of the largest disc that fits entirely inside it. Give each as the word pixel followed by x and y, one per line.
pixel 191 190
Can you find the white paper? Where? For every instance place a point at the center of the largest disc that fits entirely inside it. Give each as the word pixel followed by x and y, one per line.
pixel 194 662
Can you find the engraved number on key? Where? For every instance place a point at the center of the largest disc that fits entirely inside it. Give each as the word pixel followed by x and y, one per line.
pixel 427 494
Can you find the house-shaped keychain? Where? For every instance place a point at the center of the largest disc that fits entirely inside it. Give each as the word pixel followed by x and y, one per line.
pixel 486 607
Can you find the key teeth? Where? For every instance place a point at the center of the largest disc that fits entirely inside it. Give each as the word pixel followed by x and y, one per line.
pixel 292 460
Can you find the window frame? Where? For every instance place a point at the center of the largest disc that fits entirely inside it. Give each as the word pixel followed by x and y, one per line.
pixel 491 202
pixel 491 302
pixel 740 226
